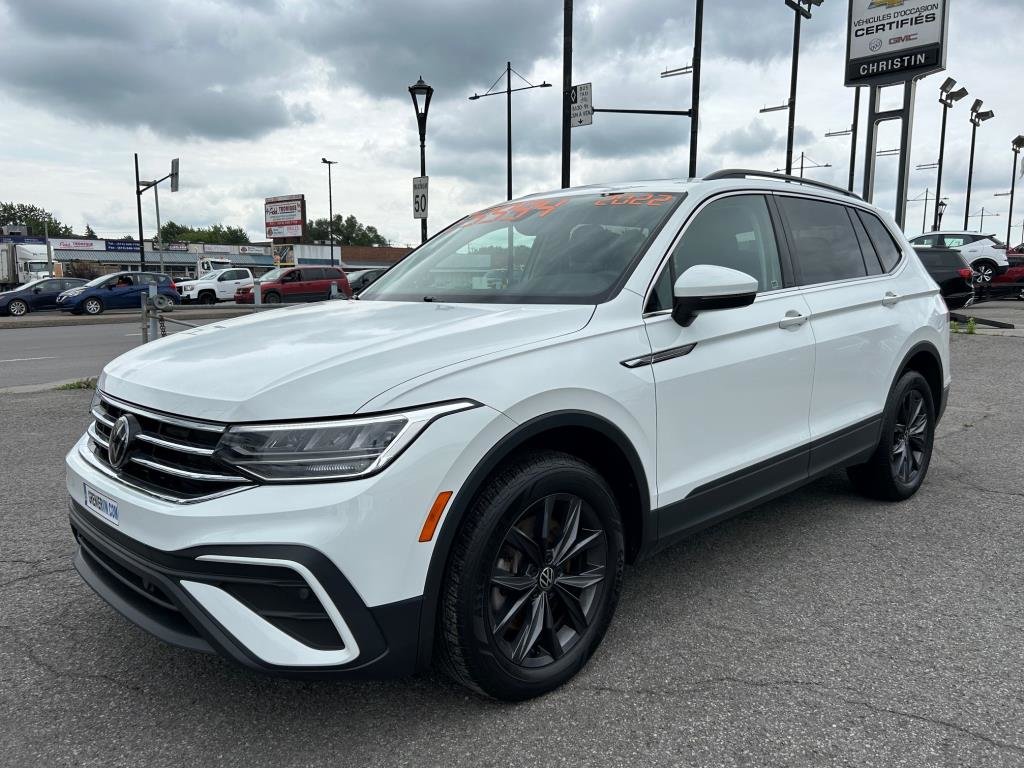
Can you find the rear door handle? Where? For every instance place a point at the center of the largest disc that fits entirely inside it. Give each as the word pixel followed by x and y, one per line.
pixel 890 299
pixel 792 320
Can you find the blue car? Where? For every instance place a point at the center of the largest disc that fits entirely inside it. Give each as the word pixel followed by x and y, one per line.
pixel 36 295
pixel 121 290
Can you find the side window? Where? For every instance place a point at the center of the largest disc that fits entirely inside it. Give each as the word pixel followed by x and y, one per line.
pixel 67 284
pixel 954 241
pixel 49 286
pixel 824 243
pixel 886 248
pixel 928 241
pixel 317 273
pixel 734 232
pixel 866 248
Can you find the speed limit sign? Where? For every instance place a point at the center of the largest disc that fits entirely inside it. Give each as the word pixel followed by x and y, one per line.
pixel 419 197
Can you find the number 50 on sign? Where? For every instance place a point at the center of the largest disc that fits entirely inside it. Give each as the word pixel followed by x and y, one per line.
pixel 419 197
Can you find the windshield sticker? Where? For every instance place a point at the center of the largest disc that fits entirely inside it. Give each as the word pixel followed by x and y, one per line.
pixel 516 211
pixel 629 198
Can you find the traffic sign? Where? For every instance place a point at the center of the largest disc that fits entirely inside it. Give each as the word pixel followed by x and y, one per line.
pixel 581 105
pixel 419 197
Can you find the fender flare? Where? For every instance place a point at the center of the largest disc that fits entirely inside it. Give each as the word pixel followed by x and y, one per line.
pixel 929 348
pixel 471 487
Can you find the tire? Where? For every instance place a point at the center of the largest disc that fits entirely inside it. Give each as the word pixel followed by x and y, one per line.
pixel 207 297
pixel 900 462
pixel 17 308
pixel 986 271
pixel 530 632
pixel 92 306
pixel 272 298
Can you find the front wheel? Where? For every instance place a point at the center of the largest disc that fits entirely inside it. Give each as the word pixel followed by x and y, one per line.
pixel 533 578
pixel 900 462
pixel 986 271
pixel 92 306
pixel 272 298
pixel 17 308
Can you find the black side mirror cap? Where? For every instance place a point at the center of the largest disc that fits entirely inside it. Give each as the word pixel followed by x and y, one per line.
pixel 685 310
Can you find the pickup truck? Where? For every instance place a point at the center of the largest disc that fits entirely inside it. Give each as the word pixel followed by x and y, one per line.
pixel 219 285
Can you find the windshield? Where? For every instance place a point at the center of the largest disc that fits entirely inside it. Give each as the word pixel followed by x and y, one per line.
pixel 211 275
pixel 562 250
pixel 274 274
pixel 37 266
pixel 96 282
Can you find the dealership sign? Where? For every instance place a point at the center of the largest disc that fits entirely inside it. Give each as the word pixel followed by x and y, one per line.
pixel 284 216
pixel 121 245
pixel 892 41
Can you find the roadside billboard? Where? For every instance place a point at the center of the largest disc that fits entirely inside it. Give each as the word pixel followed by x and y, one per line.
pixel 284 216
pixel 892 41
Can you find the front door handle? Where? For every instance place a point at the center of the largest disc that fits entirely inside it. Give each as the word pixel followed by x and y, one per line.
pixel 792 320
pixel 890 299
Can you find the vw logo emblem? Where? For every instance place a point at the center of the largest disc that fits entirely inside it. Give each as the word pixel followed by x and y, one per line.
pixel 120 441
pixel 546 577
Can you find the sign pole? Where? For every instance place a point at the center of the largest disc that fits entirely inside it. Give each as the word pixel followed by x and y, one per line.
pixel 566 89
pixel 138 206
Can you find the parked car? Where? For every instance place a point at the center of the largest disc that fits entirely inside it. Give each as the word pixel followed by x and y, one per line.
pixel 1009 284
pixel 951 272
pixel 291 284
pixel 36 295
pixel 986 254
pixel 456 468
pixel 362 278
pixel 219 285
pixel 120 290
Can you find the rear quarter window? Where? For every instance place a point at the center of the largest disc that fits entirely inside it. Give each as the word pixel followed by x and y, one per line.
pixel 824 242
pixel 885 246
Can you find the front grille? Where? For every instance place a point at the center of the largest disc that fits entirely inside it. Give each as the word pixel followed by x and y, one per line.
pixel 171 457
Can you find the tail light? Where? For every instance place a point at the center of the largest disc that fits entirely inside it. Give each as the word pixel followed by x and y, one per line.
pixel 966 273
pixel 173 286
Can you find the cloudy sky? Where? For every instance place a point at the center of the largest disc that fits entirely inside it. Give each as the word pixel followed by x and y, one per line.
pixel 250 94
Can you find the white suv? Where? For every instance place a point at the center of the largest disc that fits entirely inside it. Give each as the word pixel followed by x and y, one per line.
pixel 985 253
pixel 456 467
pixel 212 287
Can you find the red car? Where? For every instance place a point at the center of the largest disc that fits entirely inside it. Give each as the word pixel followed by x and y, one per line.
pixel 295 284
pixel 1011 282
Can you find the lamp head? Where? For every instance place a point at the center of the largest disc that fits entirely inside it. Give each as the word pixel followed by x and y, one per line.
pixel 976 106
pixel 421 93
pixel 958 94
pixel 1018 143
pixel 988 114
pixel 947 85
pixel 942 207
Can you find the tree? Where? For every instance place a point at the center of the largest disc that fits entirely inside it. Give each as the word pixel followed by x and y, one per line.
pixel 35 218
pixel 347 231
pixel 90 233
pixel 218 234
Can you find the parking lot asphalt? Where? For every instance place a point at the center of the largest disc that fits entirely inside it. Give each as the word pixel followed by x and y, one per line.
pixel 819 629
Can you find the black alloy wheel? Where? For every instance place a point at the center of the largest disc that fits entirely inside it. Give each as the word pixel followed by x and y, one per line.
pixel 547 580
pixel 909 439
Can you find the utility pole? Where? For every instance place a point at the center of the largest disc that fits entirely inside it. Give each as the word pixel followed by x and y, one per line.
pixel 792 91
pixel 566 88
pixel 158 242
pixel 698 35
pixel 508 133
pixel 138 206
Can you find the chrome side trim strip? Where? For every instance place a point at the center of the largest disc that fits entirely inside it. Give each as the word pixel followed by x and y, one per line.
pixel 659 357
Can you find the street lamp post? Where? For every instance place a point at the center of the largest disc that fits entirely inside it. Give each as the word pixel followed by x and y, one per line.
pixel 947 97
pixel 142 186
pixel 977 118
pixel 509 90
pixel 799 12
pixel 421 94
pixel 330 205
pixel 1016 146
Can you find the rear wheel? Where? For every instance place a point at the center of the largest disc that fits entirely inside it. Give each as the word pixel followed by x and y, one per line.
pixel 898 466
pixel 92 306
pixel 533 578
pixel 17 308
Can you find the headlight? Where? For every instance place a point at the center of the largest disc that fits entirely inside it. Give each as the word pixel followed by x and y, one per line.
pixel 327 450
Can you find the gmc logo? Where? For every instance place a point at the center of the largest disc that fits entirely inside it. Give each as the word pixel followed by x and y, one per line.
pixel 903 39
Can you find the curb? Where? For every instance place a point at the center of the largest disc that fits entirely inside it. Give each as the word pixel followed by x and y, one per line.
pixel 124 317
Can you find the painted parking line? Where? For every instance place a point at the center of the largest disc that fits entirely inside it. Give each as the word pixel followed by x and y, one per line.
pixel 25 359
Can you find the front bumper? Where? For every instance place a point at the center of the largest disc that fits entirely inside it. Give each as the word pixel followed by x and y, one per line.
pixel 353 545
pixel 282 609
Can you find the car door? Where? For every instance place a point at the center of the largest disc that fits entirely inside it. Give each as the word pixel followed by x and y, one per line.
pixel 229 282
pixel 293 287
pixel 855 319
pixel 733 388
pixel 44 295
pixel 124 295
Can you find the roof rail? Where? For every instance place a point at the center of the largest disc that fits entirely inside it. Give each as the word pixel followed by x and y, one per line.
pixel 742 173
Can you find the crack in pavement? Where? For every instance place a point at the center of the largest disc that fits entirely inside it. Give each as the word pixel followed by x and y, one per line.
pixel 32 656
pixel 963 478
pixel 703 685
pixel 36 575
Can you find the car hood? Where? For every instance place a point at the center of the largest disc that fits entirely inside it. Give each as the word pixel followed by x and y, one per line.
pixel 321 360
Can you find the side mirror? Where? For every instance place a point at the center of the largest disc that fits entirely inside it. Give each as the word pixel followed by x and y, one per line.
pixel 706 287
